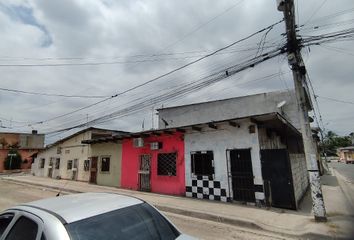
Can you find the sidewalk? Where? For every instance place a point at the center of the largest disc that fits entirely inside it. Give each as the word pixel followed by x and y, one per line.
pixel 299 224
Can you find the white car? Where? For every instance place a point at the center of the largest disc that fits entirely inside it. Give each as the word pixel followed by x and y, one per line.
pixel 86 216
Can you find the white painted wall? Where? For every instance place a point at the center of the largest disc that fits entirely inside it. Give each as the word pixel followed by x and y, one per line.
pixel 46 154
pixel 224 138
pixel 73 149
pixel 231 108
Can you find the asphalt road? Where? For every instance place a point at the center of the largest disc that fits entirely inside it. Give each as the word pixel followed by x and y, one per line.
pixel 12 194
pixel 346 170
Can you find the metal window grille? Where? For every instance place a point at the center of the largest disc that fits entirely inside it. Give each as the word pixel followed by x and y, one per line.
pixel 166 164
pixel 105 164
pixel 57 163
pixel 202 163
pixel 70 164
pixel 51 162
pixel 86 165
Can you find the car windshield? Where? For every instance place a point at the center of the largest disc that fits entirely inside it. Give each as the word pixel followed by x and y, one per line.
pixel 135 222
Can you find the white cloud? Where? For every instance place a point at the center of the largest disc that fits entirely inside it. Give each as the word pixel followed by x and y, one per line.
pixel 101 31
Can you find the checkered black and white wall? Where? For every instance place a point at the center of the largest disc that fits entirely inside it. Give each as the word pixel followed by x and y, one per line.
pixel 206 188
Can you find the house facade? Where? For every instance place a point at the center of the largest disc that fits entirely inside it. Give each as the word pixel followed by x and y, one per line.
pixel 346 154
pixel 233 154
pixel 105 161
pixel 154 161
pixel 68 158
pixel 26 144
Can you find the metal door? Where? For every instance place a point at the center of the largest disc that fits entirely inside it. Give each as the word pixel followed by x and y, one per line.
pixel 144 172
pixel 242 175
pixel 93 170
pixel 277 176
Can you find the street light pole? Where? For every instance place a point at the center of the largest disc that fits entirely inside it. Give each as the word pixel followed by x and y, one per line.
pixel 304 105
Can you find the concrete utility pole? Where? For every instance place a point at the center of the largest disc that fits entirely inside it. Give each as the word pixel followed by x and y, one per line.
pixel 304 104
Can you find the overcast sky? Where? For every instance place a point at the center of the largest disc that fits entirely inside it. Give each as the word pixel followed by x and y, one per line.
pixel 131 42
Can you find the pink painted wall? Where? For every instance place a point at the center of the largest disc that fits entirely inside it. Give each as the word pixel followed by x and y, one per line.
pixel 172 185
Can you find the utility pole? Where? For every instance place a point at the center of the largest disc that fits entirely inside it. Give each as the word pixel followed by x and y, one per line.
pixel 304 104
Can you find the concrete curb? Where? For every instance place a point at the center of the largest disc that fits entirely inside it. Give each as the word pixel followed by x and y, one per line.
pixel 202 215
pixel 342 180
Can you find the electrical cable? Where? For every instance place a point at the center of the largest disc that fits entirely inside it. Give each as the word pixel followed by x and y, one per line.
pixel 160 76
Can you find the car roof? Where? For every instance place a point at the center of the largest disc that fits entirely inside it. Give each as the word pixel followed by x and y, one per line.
pixel 75 207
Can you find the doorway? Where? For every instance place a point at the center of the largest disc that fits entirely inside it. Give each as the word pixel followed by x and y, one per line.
pixel 277 176
pixel 144 172
pixel 242 175
pixel 93 170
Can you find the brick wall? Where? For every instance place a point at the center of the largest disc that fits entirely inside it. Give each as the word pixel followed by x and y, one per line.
pixel 300 176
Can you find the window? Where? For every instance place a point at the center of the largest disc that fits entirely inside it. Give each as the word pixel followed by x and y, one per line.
pixel 166 164
pixel 139 221
pixel 41 163
pixel 105 162
pixel 202 163
pixel 57 163
pixel 67 151
pixel 50 161
pixel 86 165
pixel 24 229
pixel 70 164
pixel 5 220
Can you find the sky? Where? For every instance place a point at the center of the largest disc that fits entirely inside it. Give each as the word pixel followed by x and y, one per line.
pixel 97 49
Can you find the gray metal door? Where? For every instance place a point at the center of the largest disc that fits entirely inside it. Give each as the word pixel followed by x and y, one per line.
pixel 144 172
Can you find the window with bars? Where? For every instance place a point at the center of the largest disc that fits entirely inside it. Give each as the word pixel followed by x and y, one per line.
pixel 202 163
pixel 41 165
pixel 51 162
pixel 57 163
pixel 166 164
pixel 70 165
pixel 105 164
pixel 86 165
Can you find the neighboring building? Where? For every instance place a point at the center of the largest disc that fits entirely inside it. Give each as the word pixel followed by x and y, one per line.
pixel 242 149
pixel 154 161
pixel 68 158
pixel 346 154
pixel 47 162
pixel 281 102
pixel 105 161
pixel 26 144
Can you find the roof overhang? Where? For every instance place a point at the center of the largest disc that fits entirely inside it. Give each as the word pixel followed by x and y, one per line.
pixel 273 121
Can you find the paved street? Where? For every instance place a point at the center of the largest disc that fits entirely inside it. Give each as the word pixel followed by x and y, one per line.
pixel 12 194
pixel 346 170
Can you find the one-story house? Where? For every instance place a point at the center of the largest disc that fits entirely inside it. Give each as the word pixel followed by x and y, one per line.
pixel 243 149
pixel 68 158
pixel 154 161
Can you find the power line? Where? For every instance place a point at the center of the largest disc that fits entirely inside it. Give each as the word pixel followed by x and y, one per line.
pixel 202 25
pixel 314 13
pixel 49 94
pixel 335 100
pixel 160 76
pixel 181 91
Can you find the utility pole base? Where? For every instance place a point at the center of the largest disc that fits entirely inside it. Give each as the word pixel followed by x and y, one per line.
pixel 318 207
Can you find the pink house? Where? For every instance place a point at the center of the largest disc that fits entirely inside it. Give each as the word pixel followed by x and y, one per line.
pixel 154 161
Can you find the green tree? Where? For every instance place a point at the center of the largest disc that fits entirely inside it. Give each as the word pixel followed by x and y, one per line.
pixel 13 160
pixel 332 141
